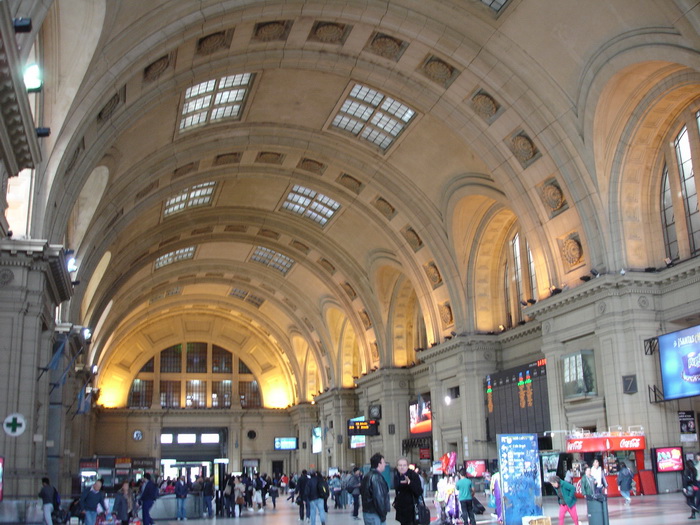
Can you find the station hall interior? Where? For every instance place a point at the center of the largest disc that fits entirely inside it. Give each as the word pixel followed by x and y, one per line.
pixel 247 221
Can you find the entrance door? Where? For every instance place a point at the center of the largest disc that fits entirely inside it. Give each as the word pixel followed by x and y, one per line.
pixel 277 467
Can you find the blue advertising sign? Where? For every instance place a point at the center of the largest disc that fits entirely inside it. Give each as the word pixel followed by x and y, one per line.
pixel 679 353
pixel 519 463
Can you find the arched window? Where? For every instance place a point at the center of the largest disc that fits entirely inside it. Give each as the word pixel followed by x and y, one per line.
pixel 679 195
pixel 213 378
pixel 519 279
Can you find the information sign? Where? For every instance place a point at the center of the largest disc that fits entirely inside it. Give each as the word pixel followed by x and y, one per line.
pixel 519 463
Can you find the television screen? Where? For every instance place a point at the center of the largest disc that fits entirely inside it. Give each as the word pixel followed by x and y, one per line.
pixel 420 418
pixel 286 443
pixel 2 474
pixel 358 441
pixel 668 459
pixel 369 427
pixel 316 440
pixel 679 355
pixel 476 468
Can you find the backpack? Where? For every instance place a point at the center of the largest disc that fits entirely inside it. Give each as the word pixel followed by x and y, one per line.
pixel 56 499
pixel 322 488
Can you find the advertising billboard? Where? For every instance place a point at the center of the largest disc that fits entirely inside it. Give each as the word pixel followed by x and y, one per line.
pixel 679 356
pixel 420 417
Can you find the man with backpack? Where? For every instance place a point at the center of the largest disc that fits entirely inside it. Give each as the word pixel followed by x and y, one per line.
pixel 50 499
pixel 317 493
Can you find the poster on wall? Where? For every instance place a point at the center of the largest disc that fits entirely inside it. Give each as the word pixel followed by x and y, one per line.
pixel 668 459
pixel 689 431
pixel 316 440
pixel 519 461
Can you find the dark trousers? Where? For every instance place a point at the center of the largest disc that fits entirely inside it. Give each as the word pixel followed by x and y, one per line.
pixel 147 505
pixel 304 506
pixel 355 505
pixel 467 510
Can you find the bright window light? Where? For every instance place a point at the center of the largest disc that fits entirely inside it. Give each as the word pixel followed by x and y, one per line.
pixel 32 78
pixel 210 438
pixel 273 259
pixel 197 195
pixel 177 255
pixel 166 439
pixel 373 116
pixel 310 204
pixel 186 439
pixel 215 99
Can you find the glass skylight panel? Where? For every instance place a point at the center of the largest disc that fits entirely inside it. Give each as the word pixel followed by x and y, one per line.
pixel 237 292
pixel 273 259
pixel 373 116
pixel 197 195
pixel 254 299
pixel 175 256
pixel 311 204
pixel 215 100
pixel 496 5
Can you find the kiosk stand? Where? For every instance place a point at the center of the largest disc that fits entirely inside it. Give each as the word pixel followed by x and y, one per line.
pixel 610 448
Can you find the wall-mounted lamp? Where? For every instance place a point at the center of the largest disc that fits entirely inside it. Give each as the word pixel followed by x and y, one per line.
pixel 585 278
pixel 502 328
pixel 531 301
pixel 595 273
pixel 22 25
pixel 555 290
pixel 523 302
pixel 43 132
pixel 33 80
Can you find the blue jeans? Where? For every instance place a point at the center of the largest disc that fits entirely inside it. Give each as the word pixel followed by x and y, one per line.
pixel 372 519
pixel 355 505
pixel 48 509
pixel 626 494
pixel 317 506
pixel 207 506
pixel 181 512
pixel 90 517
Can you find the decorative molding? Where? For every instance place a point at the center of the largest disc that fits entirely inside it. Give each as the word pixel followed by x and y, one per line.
pixel 311 165
pixel 214 42
pixel 329 32
pixel 269 157
pixel 350 183
pixel 270 234
pixel 228 158
pixel 298 245
pixel 412 238
pixel 386 46
pixel 366 321
pixel 352 294
pixel 571 251
pixel 553 197
pixel 114 103
pixel 155 69
pixel 523 148
pixel 446 315
pixel 431 270
pixel 236 228
pixel 272 31
pixel 485 106
pixel 145 191
pixel 185 170
pixel 439 71
pixel 327 265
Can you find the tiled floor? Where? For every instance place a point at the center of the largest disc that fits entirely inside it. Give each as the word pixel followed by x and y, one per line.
pixel 666 509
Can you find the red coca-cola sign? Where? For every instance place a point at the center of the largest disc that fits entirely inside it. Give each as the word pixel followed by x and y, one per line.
pixel 598 444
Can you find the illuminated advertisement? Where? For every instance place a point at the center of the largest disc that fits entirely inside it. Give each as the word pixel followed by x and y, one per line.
pixel 316 440
pixel 679 355
pixel 2 474
pixel 420 417
pixel 475 468
pixel 358 441
pixel 286 443
pixel 668 459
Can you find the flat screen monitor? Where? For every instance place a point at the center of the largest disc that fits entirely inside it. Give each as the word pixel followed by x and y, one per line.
pixel 316 440
pixel 668 459
pixel 475 468
pixel 358 441
pixel 420 417
pixel 679 355
pixel 286 443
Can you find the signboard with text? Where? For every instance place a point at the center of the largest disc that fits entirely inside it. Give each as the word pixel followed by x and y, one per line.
pixel 601 444
pixel 519 461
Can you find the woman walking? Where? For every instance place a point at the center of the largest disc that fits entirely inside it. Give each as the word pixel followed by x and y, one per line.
pixel 566 496
pixel 690 487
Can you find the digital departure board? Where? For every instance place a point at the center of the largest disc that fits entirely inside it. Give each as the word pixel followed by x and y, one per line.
pixel 517 400
pixel 363 428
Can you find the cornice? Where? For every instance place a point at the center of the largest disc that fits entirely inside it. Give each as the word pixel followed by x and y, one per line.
pixel 18 141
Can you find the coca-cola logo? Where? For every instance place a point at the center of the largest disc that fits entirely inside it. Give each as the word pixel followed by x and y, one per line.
pixel 630 443
pixel 574 445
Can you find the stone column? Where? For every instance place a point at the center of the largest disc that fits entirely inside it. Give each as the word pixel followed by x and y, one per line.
pixel 33 282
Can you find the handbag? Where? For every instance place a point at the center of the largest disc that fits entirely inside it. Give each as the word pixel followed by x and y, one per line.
pixel 688 492
pixel 421 512
pixel 240 500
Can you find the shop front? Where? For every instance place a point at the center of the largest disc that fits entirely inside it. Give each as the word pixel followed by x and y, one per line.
pixel 609 448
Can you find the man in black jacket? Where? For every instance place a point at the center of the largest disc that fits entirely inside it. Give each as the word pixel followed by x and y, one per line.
pixel 302 499
pixel 375 492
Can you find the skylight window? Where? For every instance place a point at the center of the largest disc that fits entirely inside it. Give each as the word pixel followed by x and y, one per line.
pixel 373 116
pixel 215 100
pixel 197 195
pixel 496 5
pixel 311 204
pixel 273 259
pixel 171 257
pixel 247 296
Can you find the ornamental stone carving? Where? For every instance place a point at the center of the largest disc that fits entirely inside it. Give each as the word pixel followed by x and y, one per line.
pixel 374 350
pixel 270 234
pixel 299 246
pixel 185 170
pixel 228 158
pixel 386 46
pixel 439 71
pixel 154 70
pixel 412 238
pixel 111 106
pixel 73 161
pixel 311 165
pixel 643 302
pixel 446 314
pixel 270 31
pixel 6 277
pixel 327 265
pixel 571 251
pixel 212 43
pixel 484 105
pixel 350 183
pixel 236 228
pixel 145 191
pixel 552 195
pixel 431 270
pixel 384 207
pixel 366 321
pixel 269 157
pixel 602 307
pixel 523 148
pixel 352 294
pixel 329 32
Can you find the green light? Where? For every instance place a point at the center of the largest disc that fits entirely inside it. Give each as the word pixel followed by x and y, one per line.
pixel 32 78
